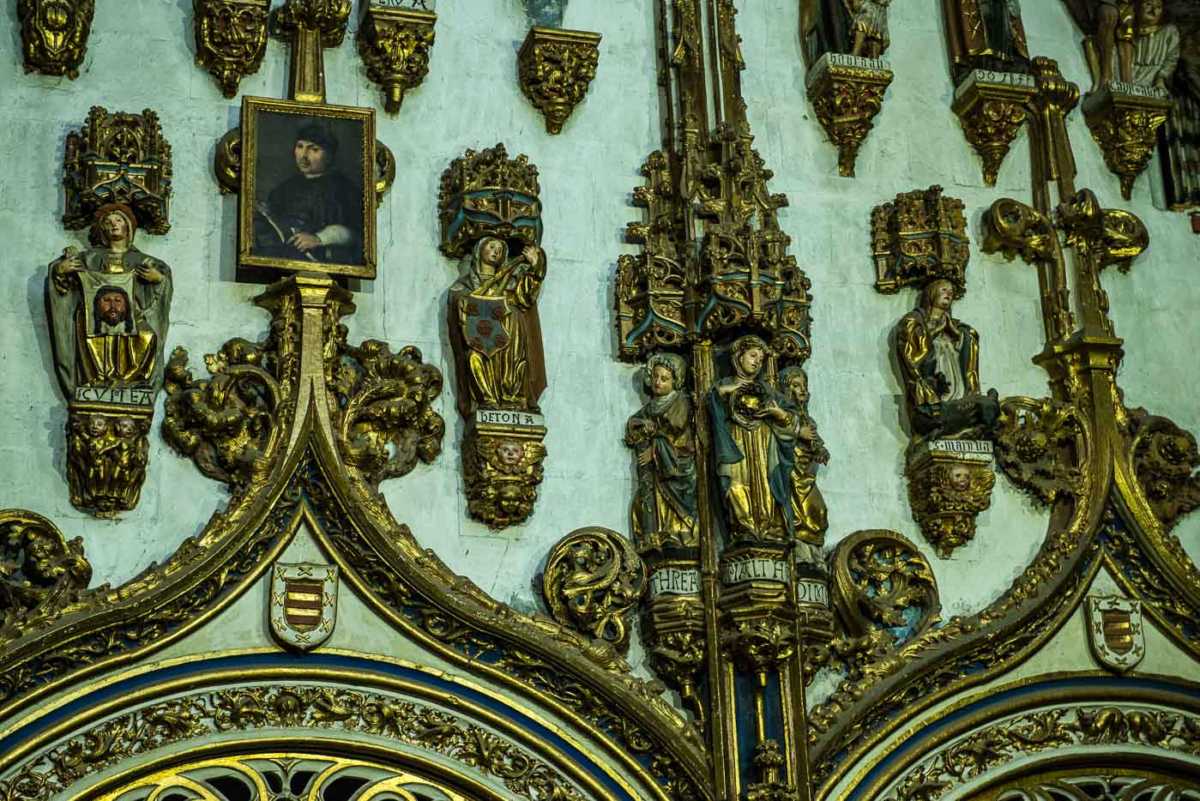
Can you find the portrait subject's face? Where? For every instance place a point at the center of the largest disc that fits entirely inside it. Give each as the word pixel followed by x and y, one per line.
pixel 662 382
pixel 112 307
pixel 115 226
pixel 311 159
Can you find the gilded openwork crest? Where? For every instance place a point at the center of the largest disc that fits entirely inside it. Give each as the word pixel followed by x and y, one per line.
pixel 303 606
pixel 1115 630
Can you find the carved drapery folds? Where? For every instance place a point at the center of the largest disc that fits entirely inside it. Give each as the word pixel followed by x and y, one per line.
pixel 394 44
pixel 491 220
pixel 54 34
pixel 42 571
pixel 592 581
pixel 231 38
pixel 555 67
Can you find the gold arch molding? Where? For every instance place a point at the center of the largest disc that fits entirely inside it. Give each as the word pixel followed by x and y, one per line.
pixel 239 703
pixel 312 450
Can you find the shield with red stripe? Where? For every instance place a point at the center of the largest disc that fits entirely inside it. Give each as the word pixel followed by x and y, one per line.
pixel 303 606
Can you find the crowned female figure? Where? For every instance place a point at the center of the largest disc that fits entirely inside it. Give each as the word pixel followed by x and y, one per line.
pixel 109 308
pixel 661 436
pixel 754 441
pixel 495 327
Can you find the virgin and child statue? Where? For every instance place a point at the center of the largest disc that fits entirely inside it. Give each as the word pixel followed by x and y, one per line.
pixel 765 449
pixel 495 327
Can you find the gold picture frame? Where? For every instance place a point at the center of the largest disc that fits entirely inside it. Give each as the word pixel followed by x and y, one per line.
pixel 317 213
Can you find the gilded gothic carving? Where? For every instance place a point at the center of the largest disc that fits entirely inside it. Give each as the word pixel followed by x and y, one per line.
pixel 394 44
pixel 555 67
pixel 43 571
pixel 844 42
pixel 231 38
pixel 491 219
pixel 109 309
pixel 54 34
pixel 593 579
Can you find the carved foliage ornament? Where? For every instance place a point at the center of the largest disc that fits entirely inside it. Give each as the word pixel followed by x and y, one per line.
pixel 394 44
pixel 118 158
pixel 555 67
pixel 54 34
pixel 41 572
pixel 326 17
pixel 1166 459
pixel 231 37
pixel 883 582
pixel 593 580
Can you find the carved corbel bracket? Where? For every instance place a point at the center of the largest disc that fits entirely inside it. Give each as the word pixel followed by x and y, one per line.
pixel 118 158
pixel 949 483
pixel 231 38
pixel 847 93
pixel 1124 120
pixel 593 580
pixel 54 34
pixel 992 109
pixel 757 617
pixel 394 44
pixel 555 67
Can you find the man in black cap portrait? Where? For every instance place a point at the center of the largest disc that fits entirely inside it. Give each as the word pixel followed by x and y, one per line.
pixel 316 214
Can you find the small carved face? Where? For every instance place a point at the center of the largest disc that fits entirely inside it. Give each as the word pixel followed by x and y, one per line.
pixel 960 478
pixel 943 296
pixel 751 360
pixel 311 159
pixel 97 425
pixel 126 427
pixel 662 381
pixel 510 453
pixel 492 252
pixel 1150 12
pixel 797 387
pixel 115 226
pixel 112 307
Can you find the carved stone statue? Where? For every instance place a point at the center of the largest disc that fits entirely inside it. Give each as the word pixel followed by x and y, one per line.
pixel 494 324
pixel 986 34
pixel 754 442
pixel 868 27
pixel 808 505
pixel 661 435
pixel 939 365
pixel 109 310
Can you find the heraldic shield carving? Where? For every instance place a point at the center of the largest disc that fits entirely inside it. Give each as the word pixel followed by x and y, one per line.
pixel 1115 630
pixel 303 606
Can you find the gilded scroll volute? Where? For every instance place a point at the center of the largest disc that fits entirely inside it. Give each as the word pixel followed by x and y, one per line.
pixel 491 219
pixel 109 309
pixel 54 34
pixel 555 67
pixel 592 582
pixel 394 44
pixel 231 38
pixel 44 572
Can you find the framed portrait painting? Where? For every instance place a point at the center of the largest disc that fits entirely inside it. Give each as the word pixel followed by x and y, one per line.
pixel 307 188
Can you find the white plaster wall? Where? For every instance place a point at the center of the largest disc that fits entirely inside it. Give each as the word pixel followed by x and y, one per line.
pixel 141 53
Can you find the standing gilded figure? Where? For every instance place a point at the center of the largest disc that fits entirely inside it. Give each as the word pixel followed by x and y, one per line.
pixel 494 318
pixel 808 504
pixel 662 437
pixel 754 441
pixel 987 35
